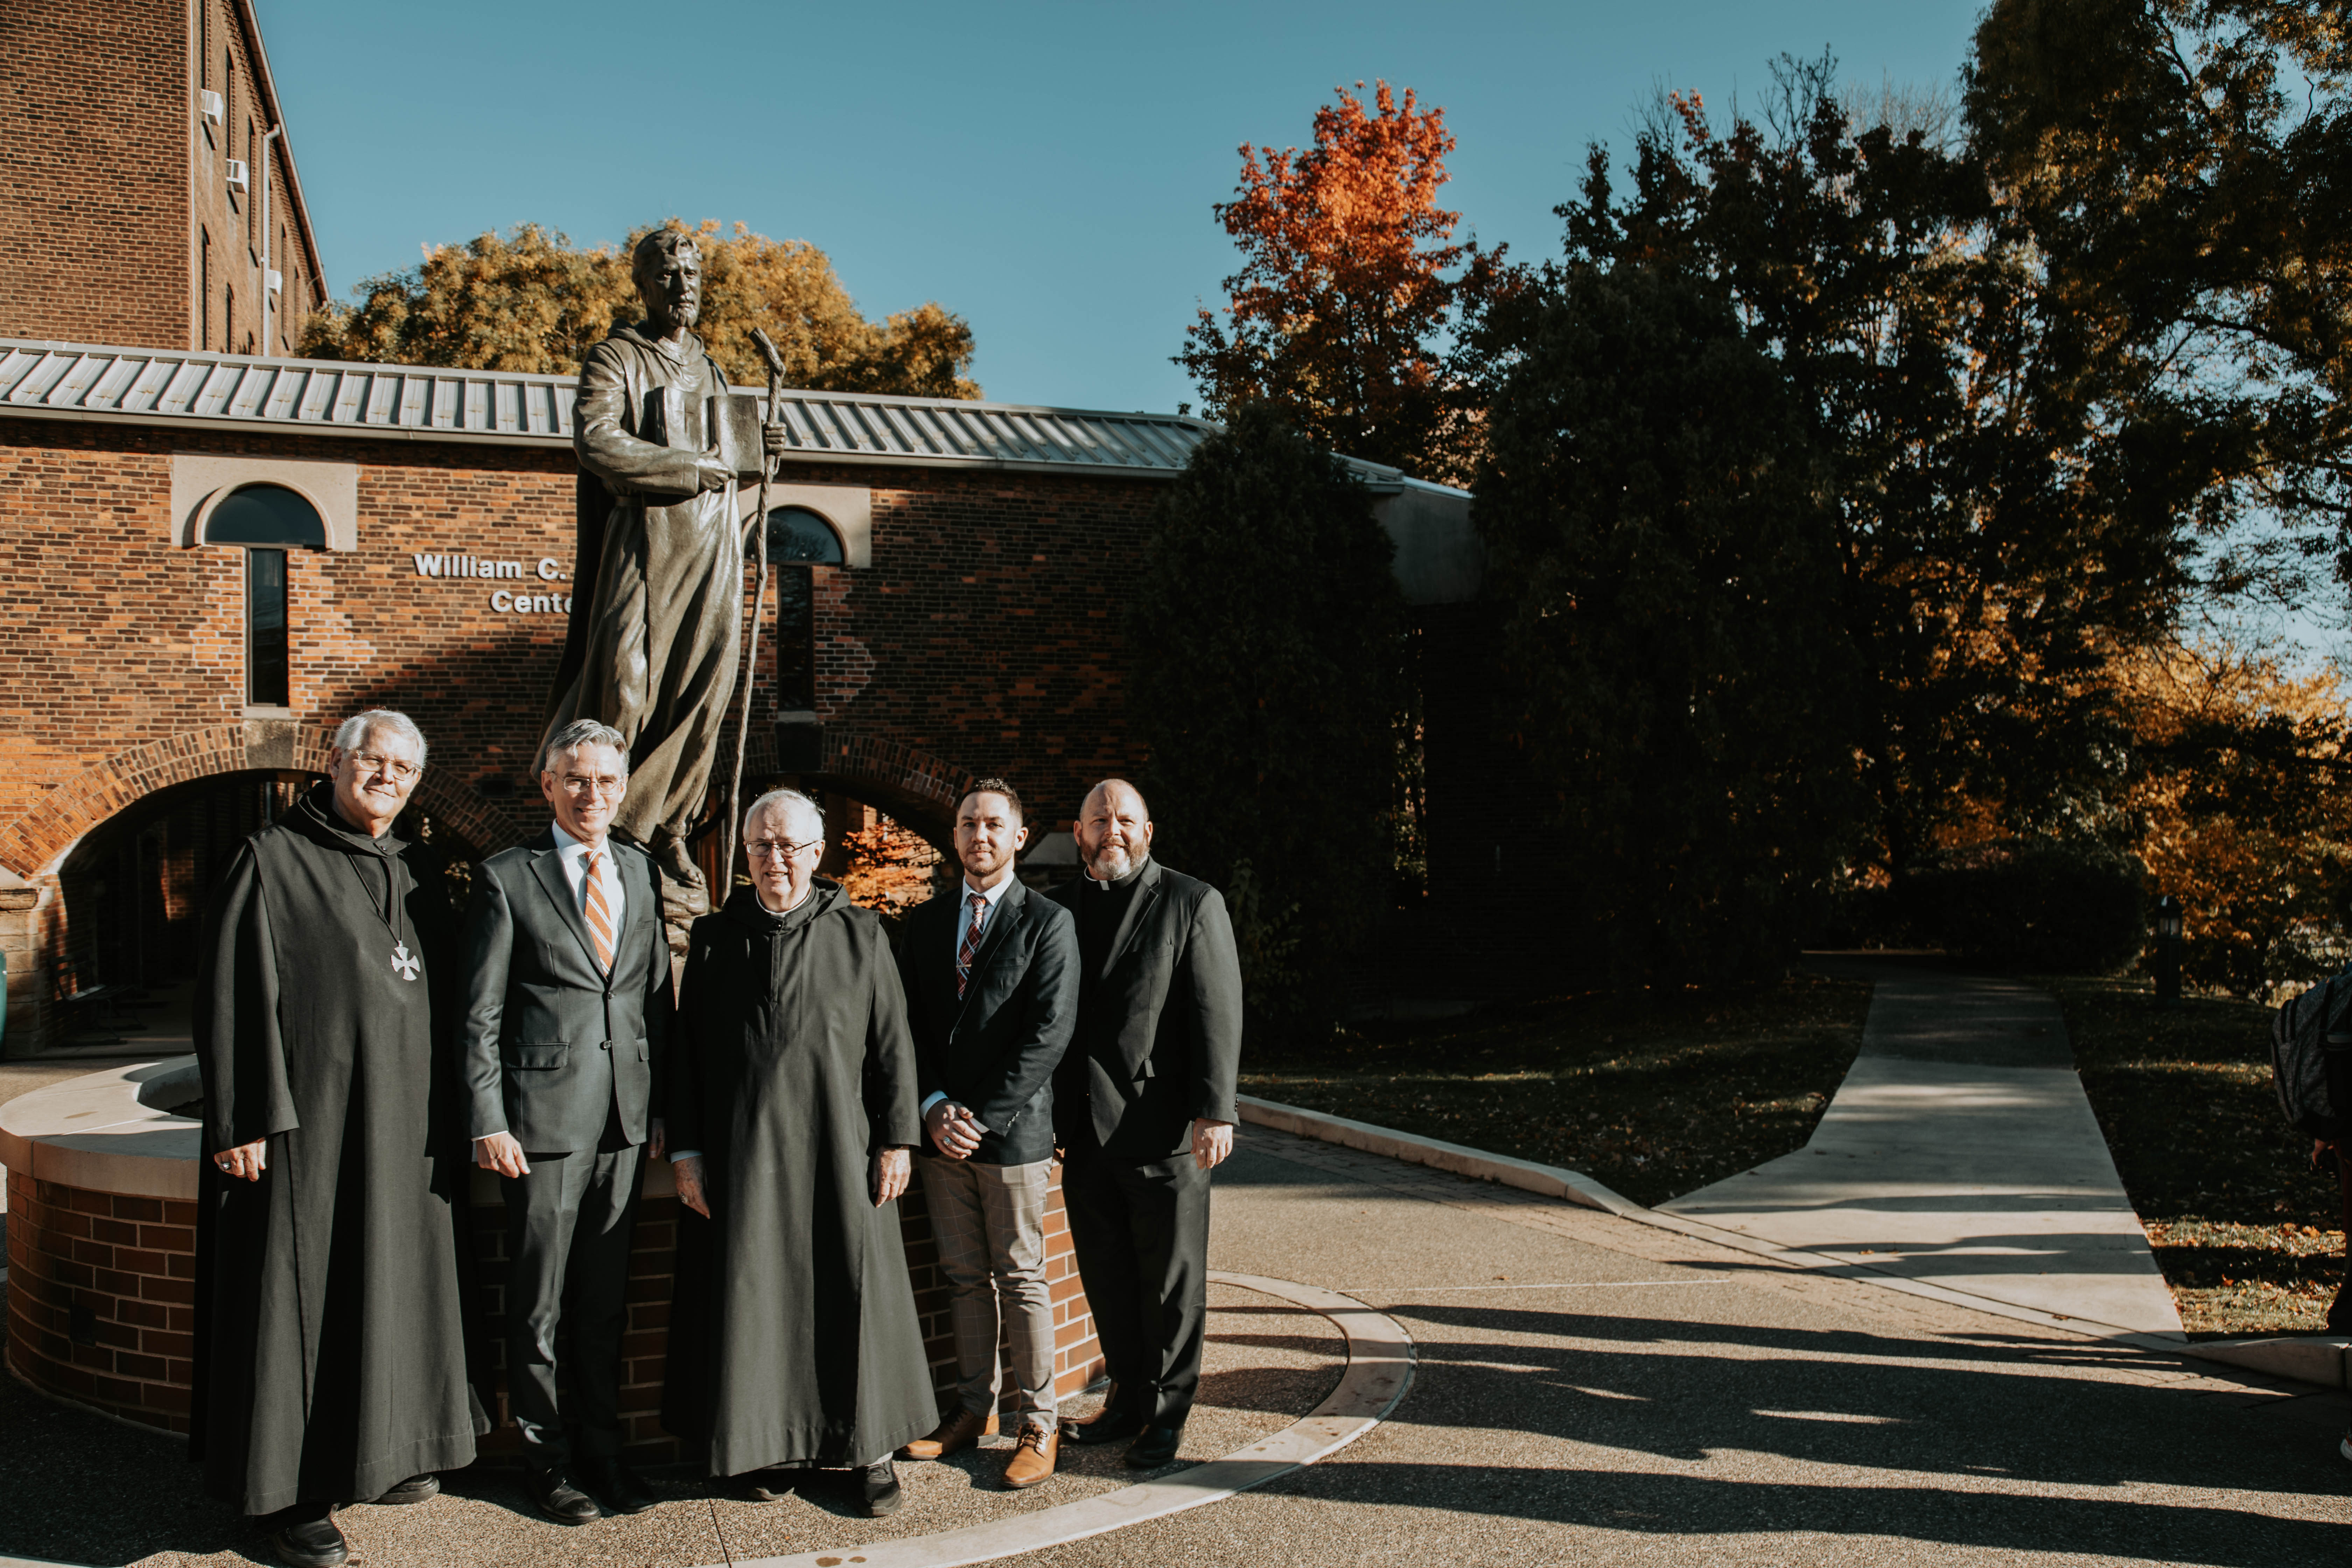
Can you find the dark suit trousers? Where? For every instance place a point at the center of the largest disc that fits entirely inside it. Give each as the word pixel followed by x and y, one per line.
pixel 569 1224
pixel 1141 1232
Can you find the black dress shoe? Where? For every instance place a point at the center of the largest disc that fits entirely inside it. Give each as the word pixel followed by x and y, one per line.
pixel 1110 1426
pixel 620 1487
pixel 1155 1448
pixel 306 1537
pixel 557 1498
pixel 878 1491
pixel 415 1489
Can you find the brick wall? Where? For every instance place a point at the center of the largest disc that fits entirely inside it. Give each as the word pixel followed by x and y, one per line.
pixel 102 1305
pixel 101 1297
pixel 117 222
pixel 95 127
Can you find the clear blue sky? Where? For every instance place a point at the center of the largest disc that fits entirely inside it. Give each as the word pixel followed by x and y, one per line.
pixel 1046 169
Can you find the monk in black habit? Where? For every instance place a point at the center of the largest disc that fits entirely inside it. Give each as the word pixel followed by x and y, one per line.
pixel 794 1340
pixel 330 1363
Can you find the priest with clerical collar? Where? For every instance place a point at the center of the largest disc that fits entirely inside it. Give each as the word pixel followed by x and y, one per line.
pixel 330 1363
pixel 793 1116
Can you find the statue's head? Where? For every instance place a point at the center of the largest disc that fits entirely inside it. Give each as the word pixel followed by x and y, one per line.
pixel 667 266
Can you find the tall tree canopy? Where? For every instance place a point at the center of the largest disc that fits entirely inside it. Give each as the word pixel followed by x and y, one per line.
pixel 1267 633
pixel 1999 524
pixel 1658 520
pixel 531 301
pixel 2184 170
pixel 1349 287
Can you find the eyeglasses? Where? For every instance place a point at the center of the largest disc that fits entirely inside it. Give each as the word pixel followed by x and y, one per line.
pixel 777 848
pixel 580 783
pixel 371 764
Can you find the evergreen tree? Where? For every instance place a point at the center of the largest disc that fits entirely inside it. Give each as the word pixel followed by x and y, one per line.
pixel 1663 553
pixel 1268 630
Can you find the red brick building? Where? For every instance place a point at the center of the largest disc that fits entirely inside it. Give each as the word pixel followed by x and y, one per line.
pixel 946 606
pixel 148 194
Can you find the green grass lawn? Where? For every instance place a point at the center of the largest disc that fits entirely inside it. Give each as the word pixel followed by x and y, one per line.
pixel 1654 1096
pixel 2248 1235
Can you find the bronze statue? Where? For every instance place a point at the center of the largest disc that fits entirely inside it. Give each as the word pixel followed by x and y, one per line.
pixel 658 607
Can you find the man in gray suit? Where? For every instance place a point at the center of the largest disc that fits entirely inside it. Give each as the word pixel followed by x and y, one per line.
pixel 568 998
pixel 1144 1107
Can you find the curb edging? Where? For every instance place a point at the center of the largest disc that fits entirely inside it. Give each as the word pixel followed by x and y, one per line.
pixel 2324 1360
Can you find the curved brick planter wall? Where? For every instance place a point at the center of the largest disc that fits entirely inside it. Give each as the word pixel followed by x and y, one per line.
pixel 103 1255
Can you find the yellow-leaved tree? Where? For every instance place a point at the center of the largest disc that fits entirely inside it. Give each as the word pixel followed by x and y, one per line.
pixel 2244 818
pixel 529 300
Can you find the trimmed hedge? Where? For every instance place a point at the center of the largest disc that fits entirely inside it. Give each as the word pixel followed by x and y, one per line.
pixel 2047 904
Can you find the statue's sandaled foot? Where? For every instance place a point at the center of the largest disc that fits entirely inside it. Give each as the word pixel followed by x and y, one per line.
pixel 685 888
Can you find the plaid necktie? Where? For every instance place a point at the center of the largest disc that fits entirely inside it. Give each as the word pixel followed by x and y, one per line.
pixel 967 949
pixel 600 915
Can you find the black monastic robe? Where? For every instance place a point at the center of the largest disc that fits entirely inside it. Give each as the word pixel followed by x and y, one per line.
pixel 794 1338
pixel 331 1354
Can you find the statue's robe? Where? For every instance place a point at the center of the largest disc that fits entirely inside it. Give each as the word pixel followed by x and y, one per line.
pixel 658 600
pixel 794 1338
pixel 331 1351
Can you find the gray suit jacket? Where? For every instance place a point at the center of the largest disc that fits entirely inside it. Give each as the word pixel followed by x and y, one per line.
pixel 1160 1024
pixel 553 1047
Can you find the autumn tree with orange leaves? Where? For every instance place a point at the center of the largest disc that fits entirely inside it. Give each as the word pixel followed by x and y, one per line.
pixel 1351 289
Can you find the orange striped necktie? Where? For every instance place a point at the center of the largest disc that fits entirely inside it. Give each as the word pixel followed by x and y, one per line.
pixel 600 914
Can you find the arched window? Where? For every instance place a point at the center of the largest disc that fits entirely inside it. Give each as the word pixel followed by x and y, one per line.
pixel 266 514
pixel 798 539
pixel 798 536
pixel 268 520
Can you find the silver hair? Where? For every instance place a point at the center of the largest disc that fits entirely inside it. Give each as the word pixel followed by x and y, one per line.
pixel 583 732
pixel 353 732
pixel 783 797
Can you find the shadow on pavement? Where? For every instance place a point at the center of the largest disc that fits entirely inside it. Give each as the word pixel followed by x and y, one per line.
pixel 1671 1505
pixel 1681 1390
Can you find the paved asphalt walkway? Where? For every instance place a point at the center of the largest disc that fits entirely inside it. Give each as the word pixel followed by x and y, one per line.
pixel 1588 1389
pixel 1961 1151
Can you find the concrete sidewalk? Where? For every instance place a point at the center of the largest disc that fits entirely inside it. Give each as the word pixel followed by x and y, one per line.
pixel 1588 1389
pixel 1961 1151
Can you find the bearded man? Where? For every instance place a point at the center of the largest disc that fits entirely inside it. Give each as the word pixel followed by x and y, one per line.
pixel 658 604
pixel 1144 1107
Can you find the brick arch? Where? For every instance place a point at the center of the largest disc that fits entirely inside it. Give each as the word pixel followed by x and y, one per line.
pixel 917 789
pixel 103 789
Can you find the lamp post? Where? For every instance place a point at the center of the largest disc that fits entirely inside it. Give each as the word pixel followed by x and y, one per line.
pixel 2167 950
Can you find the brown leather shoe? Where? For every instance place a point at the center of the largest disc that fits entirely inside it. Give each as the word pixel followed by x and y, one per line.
pixel 959 1431
pixel 1033 1461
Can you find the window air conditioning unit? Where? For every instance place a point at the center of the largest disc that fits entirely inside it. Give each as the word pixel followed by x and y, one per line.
pixel 209 105
pixel 273 280
pixel 237 178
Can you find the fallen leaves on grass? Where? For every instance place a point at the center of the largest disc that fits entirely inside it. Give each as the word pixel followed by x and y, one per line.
pixel 2248 1234
pixel 1652 1096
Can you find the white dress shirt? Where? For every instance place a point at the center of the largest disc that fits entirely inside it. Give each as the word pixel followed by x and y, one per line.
pixel 574 856
pixel 965 894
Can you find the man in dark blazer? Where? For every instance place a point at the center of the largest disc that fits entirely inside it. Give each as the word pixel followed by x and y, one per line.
pixel 567 1001
pixel 1144 1106
pixel 992 983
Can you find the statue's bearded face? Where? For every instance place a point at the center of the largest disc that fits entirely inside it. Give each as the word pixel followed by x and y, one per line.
pixel 670 284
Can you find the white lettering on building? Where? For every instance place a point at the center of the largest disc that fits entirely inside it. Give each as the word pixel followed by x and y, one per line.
pixel 508 603
pixel 477 566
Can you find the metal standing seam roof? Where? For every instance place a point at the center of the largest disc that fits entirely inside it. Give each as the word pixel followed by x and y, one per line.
pixel 239 391
pixel 424 403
